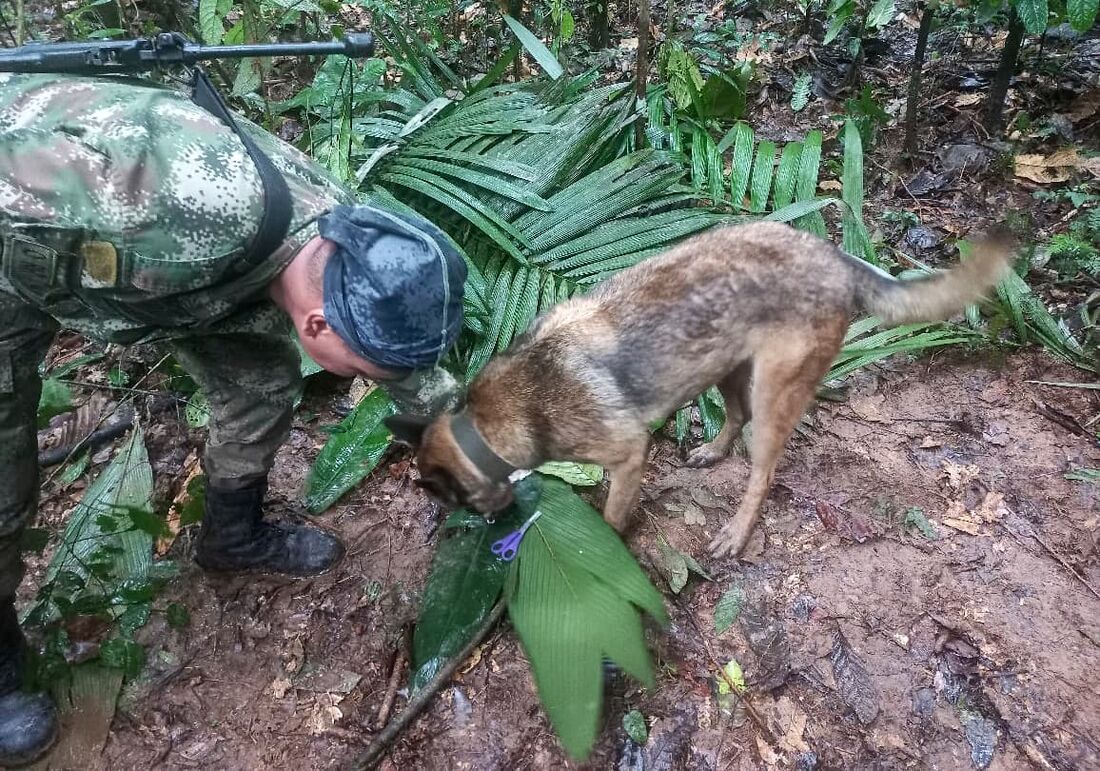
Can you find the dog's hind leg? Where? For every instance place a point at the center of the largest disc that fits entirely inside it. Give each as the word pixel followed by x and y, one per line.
pixel 784 384
pixel 734 388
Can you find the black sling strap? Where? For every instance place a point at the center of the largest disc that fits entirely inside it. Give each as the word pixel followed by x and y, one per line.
pixel 275 221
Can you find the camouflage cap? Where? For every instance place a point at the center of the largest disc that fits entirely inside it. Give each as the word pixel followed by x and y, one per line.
pixel 393 287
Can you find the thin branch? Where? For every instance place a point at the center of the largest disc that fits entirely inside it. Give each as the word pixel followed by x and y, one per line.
pixel 417 703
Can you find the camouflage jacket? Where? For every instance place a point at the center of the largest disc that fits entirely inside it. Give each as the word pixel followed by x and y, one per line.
pixel 124 208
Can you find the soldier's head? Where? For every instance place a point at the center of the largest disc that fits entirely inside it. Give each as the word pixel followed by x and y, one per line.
pixel 377 294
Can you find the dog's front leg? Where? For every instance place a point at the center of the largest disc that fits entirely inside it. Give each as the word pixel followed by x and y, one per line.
pixel 626 481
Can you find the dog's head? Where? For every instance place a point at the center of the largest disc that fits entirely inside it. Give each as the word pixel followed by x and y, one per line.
pixel 445 470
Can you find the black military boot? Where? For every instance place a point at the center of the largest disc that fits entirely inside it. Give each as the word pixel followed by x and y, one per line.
pixel 234 537
pixel 28 721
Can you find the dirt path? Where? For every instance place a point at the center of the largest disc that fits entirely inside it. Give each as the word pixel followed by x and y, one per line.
pixel 969 645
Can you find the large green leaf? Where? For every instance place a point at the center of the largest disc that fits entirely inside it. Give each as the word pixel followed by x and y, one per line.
pixel 1033 13
pixel 465 581
pixel 742 164
pixel 1082 13
pixel 856 241
pixel 352 452
pixel 535 47
pixel 762 171
pixel 125 485
pixel 56 398
pixel 806 186
pixel 573 604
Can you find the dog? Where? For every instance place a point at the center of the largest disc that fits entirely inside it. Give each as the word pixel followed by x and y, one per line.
pixel 759 310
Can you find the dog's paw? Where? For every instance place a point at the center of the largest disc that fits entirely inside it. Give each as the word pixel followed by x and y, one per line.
pixel 730 540
pixel 703 456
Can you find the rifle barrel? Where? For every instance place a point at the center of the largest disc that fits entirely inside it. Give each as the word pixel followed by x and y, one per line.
pixel 359 44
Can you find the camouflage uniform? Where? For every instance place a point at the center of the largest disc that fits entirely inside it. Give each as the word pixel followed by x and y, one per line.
pixel 125 210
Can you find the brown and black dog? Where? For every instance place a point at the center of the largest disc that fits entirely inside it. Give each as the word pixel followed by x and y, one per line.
pixel 760 310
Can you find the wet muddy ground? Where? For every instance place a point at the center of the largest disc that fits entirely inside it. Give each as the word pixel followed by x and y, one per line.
pixel 866 642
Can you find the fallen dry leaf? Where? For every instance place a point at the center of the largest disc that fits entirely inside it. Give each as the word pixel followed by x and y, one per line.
pixel 1056 167
pixel 767 754
pixel 693 515
pixel 792 722
pixel 279 687
pixel 193 468
pixel 1085 106
pixel 992 508
pixel 964 525
pixel 325 714
pixel 959 476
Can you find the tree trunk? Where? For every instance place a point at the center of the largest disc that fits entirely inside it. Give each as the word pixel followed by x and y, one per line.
pixel 641 73
pixel 995 106
pixel 599 25
pixel 910 147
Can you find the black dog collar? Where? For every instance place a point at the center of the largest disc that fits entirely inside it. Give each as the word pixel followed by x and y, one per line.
pixel 472 443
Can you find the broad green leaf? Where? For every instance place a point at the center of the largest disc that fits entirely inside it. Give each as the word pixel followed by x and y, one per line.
pixel 581 537
pixel 100 549
pixel 126 484
pixel 1082 13
pixel 801 209
pixel 837 19
pixel 728 608
pixel 210 23
pixel 177 615
pixel 56 398
pixel 74 470
pixel 787 175
pixel 762 170
pixel 800 92
pixel 742 164
pixel 197 411
pixel 635 727
pixel 881 14
pixel 856 241
pixel 806 186
pixel 577 474
pixel 538 50
pixel 712 413
pixel 123 654
pixel 352 452
pixel 1033 13
pixel 552 611
pixel 732 678
pixel 465 581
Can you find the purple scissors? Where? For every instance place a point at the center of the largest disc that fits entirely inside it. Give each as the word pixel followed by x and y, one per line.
pixel 508 546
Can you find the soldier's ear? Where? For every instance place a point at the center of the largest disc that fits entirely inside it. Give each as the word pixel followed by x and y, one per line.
pixel 408 429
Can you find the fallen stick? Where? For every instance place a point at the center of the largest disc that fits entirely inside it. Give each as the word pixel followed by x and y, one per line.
pixel 391 690
pixel 417 703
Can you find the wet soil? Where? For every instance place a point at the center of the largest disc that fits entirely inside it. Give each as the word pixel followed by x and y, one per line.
pixel 972 645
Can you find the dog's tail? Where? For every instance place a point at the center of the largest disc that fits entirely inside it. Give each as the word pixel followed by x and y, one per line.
pixel 934 297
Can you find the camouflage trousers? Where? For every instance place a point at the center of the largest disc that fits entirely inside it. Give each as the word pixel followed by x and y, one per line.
pixel 250 379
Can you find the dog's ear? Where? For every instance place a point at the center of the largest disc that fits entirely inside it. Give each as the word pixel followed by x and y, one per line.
pixel 408 429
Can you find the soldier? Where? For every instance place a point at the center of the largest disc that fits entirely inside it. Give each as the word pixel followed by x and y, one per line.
pixel 129 213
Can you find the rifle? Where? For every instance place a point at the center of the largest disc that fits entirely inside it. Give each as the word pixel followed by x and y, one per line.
pixel 165 49
pixel 114 57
